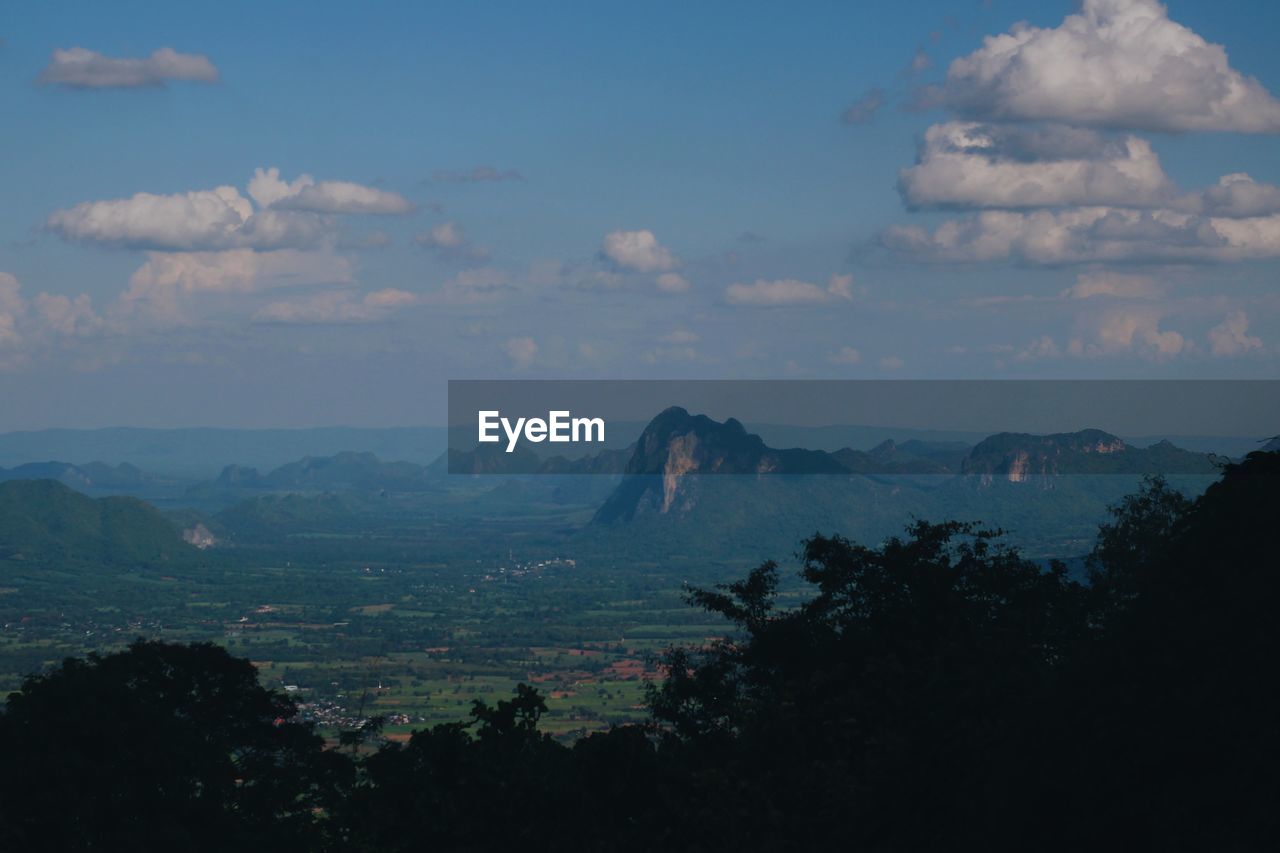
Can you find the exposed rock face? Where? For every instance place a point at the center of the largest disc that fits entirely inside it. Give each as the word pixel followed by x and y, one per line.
pixel 677 444
pixel 199 536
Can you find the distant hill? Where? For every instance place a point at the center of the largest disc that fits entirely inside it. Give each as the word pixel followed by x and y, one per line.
pixel 91 478
pixel 271 517
pixel 1019 457
pixel 203 452
pixel 46 522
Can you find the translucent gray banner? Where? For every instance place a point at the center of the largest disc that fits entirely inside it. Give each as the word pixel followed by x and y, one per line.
pixel 506 427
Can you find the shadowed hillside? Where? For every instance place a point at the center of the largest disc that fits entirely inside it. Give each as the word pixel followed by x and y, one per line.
pixel 45 522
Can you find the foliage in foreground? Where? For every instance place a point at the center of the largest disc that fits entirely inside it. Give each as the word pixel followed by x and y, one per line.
pixel 938 691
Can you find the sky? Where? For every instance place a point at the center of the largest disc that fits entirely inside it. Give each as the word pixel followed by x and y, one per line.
pixel 306 214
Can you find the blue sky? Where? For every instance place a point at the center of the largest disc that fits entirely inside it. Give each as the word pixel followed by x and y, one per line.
pixel 605 190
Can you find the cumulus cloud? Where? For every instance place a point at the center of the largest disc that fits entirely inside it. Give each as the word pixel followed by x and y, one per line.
pixel 476 175
pixel 1114 284
pixel 637 251
pixel 206 218
pixel 306 194
pixel 522 351
pixel 1135 331
pixel 80 68
pixel 891 362
pixel 67 316
pixel 1117 64
pixel 1230 337
pixel 974 165
pixel 24 323
pixel 1086 234
pixel 788 291
pixel 865 108
pixel 1239 195
pixel 450 243
pixel 337 307
pixel 1117 332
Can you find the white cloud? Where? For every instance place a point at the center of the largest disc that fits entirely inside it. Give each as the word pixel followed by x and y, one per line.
pixel 26 323
pixel 1042 347
pixel 891 362
pixel 337 307
pixel 966 164
pixel 80 68
pixel 845 355
pixel 672 282
pixel 1114 284
pixel 521 351
pixel 638 251
pixel 450 243
pixel 1127 332
pixel 1118 64
pixel 159 287
pixel 841 286
pixel 1134 330
pixel 202 219
pixel 1085 234
pixel 788 291
pixel 65 316
pixel 1230 336
pixel 390 298
pixel 1239 195
pixel 306 194
pixel 206 220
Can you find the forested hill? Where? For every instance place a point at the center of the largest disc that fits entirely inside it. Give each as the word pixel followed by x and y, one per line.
pixel 45 522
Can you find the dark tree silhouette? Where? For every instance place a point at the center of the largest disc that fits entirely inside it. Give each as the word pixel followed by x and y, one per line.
pixel 160 747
